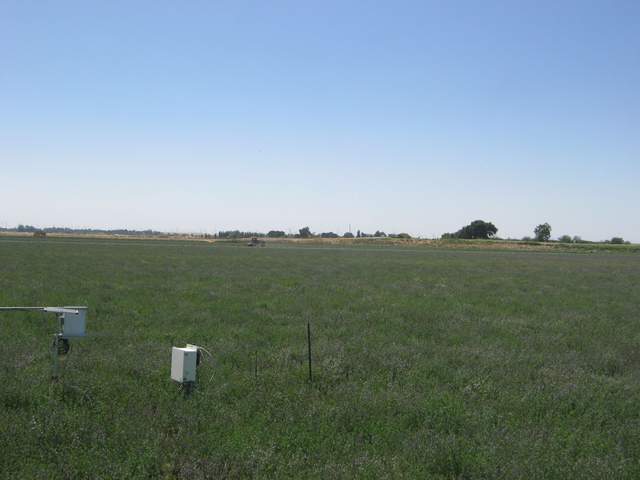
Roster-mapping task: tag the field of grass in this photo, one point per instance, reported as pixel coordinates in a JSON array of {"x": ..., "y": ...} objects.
[{"x": 428, "y": 363}]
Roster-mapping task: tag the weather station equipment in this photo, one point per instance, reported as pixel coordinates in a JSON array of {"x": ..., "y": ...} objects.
[
  {"x": 72, "y": 323},
  {"x": 184, "y": 365}
]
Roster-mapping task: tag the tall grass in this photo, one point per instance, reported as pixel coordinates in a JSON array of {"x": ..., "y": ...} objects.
[{"x": 426, "y": 363}]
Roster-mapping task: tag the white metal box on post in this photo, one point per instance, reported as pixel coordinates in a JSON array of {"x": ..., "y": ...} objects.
[
  {"x": 74, "y": 325},
  {"x": 183, "y": 364}
]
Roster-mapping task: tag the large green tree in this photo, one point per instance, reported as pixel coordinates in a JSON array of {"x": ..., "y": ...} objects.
[
  {"x": 543, "y": 232},
  {"x": 476, "y": 229},
  {"x": 305, "y": 232}
]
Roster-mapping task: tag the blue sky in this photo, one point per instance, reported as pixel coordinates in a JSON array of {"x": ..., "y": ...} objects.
[{"x": 402, "y": 116}]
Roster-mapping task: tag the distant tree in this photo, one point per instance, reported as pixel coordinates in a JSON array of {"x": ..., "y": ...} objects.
[
  {"x": 305, "y": 232},
  {"x": 527, "y": 239},
  {"x": 543, "y": 232},
  {"x": 233, "y": 234},
  {"x": 617, "y": 240},
  {"x": 480, "y": 229},
  {"x": 564, "y": 239},
  {"x": 577, "y": 239},
  {"x": 347, "y": 235},
  {"x": 329, "y": 235},
  {"x": 379, "y": 234},
  {"x": 276, "y": 234},
  {"x": 476, "y": 229},
  {"x": 358, "y": 235},
  {"x": 398, "y": 235}
]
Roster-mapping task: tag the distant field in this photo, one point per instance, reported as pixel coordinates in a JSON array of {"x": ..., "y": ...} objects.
[
  {"x": 458, "y": 244},
  {"x": 428, "y": 363}
]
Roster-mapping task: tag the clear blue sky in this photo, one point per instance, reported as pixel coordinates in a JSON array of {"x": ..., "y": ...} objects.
[{"x": 413, "y": 116}]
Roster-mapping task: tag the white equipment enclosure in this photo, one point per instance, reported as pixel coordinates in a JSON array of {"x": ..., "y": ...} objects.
[
  {"x": 183, "y": 364},
  {"x": 74, "y": 324}
]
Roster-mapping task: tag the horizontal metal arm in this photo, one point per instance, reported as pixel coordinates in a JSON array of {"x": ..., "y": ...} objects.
[
  {"x": 60, "y": 310},
  {"x": 20, "y": 309},
  {"x": 41, "y": 309}
]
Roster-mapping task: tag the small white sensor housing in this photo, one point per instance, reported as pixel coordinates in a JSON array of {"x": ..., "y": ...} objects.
[{"x": 183, "y": 364}]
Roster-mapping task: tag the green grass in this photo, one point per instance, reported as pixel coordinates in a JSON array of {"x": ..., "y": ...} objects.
[{"x": 428, "y": 363}]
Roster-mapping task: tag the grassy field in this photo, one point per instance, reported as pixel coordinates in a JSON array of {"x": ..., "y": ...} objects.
[{"x": 428, "y": 363}]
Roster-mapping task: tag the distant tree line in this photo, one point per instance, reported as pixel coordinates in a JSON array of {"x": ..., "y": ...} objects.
[
  {"x": 307, "y": 233},
  {"x": 477, "y": 229},
  {"x": 304, "y": 232},
  {"x": 116, "y": 231},
  {"x": 234, "y": 234}
]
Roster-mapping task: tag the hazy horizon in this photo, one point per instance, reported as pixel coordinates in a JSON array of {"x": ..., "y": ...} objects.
[
  {"x": 288, "y": 231},
  {"x": 411, "y": 116}
]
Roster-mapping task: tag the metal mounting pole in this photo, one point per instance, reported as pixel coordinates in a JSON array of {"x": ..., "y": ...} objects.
[
  {"x": 309, "y": 350},
  {"x": 55, "y": 361},
  {"x": 55, "y": 352}
]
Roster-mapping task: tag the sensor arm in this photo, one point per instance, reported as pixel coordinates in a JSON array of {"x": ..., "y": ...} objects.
[
  {"x": 60, "y": 310},
  {"x": 41, "y": 309}
]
